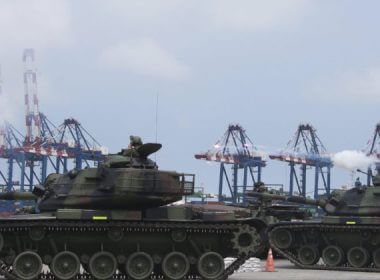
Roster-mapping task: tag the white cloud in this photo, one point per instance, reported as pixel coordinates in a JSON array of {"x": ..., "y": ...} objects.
[
  {"x": 254, "y": 14},
  {"x": 9, "y": 104},
  {"x": 209, "y": 15},
  {"x": 38, "y": 23},
  {"x": 360, "y": 86},
  {"x": 144, "y": 57},
  {"x": 352, "y": 160}
]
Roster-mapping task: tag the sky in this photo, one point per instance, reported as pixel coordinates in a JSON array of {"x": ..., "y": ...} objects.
[{"x": 267, "y": 65}]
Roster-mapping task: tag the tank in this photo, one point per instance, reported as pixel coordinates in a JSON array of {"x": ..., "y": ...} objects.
[
  {"x": 272, "y": 211},
  {"x": 119, "y": 220},
  {"x": 269, "y": 209},
  {"x": 347, "y": 237},
  {"x": 266, "y": 209}
]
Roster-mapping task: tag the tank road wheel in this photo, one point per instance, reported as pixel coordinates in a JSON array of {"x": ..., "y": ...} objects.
[
  {"x": 210, "y": 265},
  {"x": 178, "y": 235},
  {"x": 308, "y": 255},
  {"x": 365, "y": 235},
  {"x": 102, "y": 265},
  {"x": 139, "y": 266},
  {"x": 282, "y": 238},
  {"x": 27, "y": 265},
  {"x": 358, "y": 257},
  {"x": 115, "y": 234},
  {"x": 1, "y": 242},
  {"x": 175, "y": 265},
  {"x": 246, "y": 240},
  {"x": 37, "y": 233},
  {"x": 65, "y": 265},
  {"x": 333, "y": 255},
  {"x": 376, "y": 257}
]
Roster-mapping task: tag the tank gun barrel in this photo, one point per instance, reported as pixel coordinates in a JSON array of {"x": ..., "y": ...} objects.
[
  {"x": 294, "y": 199},
  {"x": 365, "y": 173},
  {"x": 17, "y": 196}
]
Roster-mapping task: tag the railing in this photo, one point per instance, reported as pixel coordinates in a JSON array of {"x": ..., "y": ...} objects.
[{"x": 187, "y": 182}]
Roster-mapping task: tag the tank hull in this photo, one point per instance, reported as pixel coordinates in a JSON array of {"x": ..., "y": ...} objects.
[
  {"x": 157, "y": 247},
  {"x": 332, "y": 244}
]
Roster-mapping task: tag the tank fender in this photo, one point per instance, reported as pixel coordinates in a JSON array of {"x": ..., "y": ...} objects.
[{"x": 257, "y": 223}]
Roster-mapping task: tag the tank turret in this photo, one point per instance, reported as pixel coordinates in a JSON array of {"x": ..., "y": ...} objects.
[
  {"x": 358, "y": 201},
  {"x": 293, "y": 199},
  {"x": 263, "y": 203}
]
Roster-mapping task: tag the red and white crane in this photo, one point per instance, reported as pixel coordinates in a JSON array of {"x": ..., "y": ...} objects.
[
  {"x": 32, "y": 114},
  {"x": 236, "y": 150},
  {"x": 305, "y": 150}
]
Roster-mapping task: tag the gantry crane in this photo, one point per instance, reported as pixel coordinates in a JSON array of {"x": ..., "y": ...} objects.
[
  {"x": 305, "y": 150},
  {"x": 373, "y": 149},
  {"x": 237, "y": 151}
]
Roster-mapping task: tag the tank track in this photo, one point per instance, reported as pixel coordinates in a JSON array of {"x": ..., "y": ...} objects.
[
  {"x": 53, "y": 225},
  {"x": 331, "y": 228}
]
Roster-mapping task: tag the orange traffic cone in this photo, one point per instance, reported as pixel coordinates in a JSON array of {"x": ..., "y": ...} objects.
[{"x": 269, "y": 267}]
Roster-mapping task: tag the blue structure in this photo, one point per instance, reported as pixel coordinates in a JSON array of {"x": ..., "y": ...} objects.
[
  {"x": 10, "y": 141},
  {"x": 373, "y": 149},
  {"x": 78, "y": 144},
  {"x": 305, "y": 150},
  {"x": 23, "y": 165},
  {"x": 236, "y": 151}
]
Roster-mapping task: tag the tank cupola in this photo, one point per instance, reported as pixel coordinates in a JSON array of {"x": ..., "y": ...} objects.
[{"x": 135, "y": 156}]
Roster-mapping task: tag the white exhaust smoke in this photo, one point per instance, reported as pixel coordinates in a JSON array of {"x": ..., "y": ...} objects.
[{"x": 352, "y": 160}]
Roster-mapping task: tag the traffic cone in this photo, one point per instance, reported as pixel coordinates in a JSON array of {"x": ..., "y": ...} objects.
[{"x": 269, "y": 267}]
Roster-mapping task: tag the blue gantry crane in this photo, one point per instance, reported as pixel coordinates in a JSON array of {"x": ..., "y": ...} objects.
[
  {"x": 373, "y": 149},
  {"x": 237, "y": 151},
  {"x": 61, "y": 148},
  {"x": 305, "y": 150}
]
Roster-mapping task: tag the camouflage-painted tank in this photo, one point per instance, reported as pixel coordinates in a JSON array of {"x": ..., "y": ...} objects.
[
  {"x": 271, "y": 210},
  {"x": 115, "y": 221},
  {"x": 347, "y": 237}
]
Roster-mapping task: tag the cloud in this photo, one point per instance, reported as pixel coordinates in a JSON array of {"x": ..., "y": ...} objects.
[
  {"x": 37, "y": 23},
  {"x": 353, "y": 160},
  {"x": 253, "y": 14},
  {"x": 9, "y": 107},
  {"x": 209, "y": 15},
  {"x": 360, "y": 86},
  {"x": 144, "y": 57}
]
